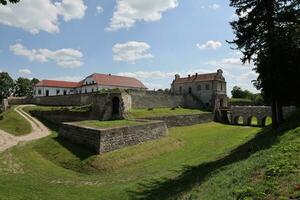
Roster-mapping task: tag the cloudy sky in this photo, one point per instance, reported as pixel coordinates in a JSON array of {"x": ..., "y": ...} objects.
[{"x": 147, "y": 39}]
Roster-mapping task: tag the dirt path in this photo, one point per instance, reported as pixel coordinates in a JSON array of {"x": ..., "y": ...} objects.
[{"x": 38, "y": 131}]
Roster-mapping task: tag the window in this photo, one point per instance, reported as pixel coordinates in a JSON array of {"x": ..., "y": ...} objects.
[
  {"x": 85, "y": 91},
  {"x": 221, "y": 87},
  {"x": 190, "y": 90},
  {"x": 57, "y": 92},
  {"x": 65, "y": 92},
  {"x": 199, "y": 87},
  {"x": 92, "y": 89},
  {"x": 180, "y": 90},
  {"x": 39, "y": 92},
  {"x": 207, "y": 87},
  {"x": 47, "y": 93}
]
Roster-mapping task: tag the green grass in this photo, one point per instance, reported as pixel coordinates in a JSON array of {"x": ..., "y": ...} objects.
[
  {"x": 58, "y": 108},
  {"x": 109, "y": 124},
  {"x": 158, "y": 112},
  {"x": 272, "y": 170},
  {"x": 14, "y": 123},
  {"x": 55, "y": 169}
]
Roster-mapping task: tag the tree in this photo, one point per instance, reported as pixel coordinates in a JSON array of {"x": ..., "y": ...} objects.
[
  {"x": 6, "y": 85},
  {"x": 238, "y": 93},
  {"x": 24, "y": 87},
  {"x": 263, "y": 30},
  {"x": 4, "y": 2}
]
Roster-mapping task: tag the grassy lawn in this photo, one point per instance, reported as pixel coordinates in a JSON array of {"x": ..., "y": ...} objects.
[
  {"x": 14, "y": 123},
  {"x": 271, "y": 172},
  {"x": 157, "y": 112},
  {"x": 58, "y": 108},
  {"x": 54, "y": 169},
  {"x": 108, "y": 124}
]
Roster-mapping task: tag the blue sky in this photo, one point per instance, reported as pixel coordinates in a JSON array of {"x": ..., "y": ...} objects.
[{"x": 147, "y": 39}]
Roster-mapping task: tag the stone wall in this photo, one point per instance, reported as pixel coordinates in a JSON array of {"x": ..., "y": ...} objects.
[
  {"x": 152, "y": 99},
  {"x": 4, "y": 105},
  {"x": 184, "y": 120},
  {"x": 105, "y": 140},
  {"x": 260, "y": 112},
  {"x": 57, "y": 117},
  {"x": 66, "y": 100}
]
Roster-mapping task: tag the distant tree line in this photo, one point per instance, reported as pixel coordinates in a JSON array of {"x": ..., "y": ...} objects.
[
  {"x": 19, "y": 88},
  {"x": 239, "y": 93}
]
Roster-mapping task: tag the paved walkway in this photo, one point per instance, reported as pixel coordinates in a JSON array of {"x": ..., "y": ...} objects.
[{"x": 38, "y": 131}]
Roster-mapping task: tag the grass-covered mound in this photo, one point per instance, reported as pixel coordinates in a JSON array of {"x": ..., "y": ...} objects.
[
  {"x": 159, "y": 112},
  {"x": 55, "y": 169},
  {"x": 109, "y": 124},
  {"x": 14, "y": 123},
  {"x": 267, "y": 167}
]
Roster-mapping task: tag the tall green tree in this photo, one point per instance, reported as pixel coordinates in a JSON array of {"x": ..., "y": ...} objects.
[
  {"x": 24, "y": 87},
  {"x": 263, "y": 30},
  {"x": 4, "y": 2},
  {"x": 6, "y": 85}
]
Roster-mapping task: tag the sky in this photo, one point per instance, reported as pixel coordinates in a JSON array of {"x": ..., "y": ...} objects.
[{"x": 151, "y": 40}]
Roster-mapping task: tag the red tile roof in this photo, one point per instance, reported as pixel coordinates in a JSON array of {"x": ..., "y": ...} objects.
[
  {"x": 113, "y": 80},
  {"x": 101, "y": 79},
  {"x": 60, "y": 84},
  {"x": 198, "y": 78}
]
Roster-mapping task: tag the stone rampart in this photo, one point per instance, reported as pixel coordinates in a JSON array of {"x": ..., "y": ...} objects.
[
  {"x": 152, "y": 99},
  {"x": 184, "y": 120},
  {"x": 58, "y": 117},
  {"x": 105, "y": 140}
]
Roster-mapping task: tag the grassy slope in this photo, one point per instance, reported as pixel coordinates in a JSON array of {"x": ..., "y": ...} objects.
[
  {"x": 14, "y": 123},
  {"x": 270, "y": 173},
  {"x": 108, "y": 124},
  {"x": 50, "y": 168},
  {"x": 156, "y": 112}
]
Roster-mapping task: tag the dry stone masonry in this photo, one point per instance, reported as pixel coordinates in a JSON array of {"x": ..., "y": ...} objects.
[{"x": 109, "y": 139}]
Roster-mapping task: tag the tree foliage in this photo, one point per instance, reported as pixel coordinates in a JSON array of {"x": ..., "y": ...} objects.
[
  {"x": 6, "y": 85},
  {"x": 24, "y": 87},
  {"x": 4, "y": 2},
  {"x": 267, "y": 33}
]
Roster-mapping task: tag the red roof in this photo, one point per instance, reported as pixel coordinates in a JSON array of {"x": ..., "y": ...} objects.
[
  {"x": 101, "y": 79},
  {"x": 61, "y": 84},
  {"x": 198, "y": 78},
  {"x": 113, "y": 80}
]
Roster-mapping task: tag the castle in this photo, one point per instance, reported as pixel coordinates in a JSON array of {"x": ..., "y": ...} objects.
[{"x": 209, "y": 88}]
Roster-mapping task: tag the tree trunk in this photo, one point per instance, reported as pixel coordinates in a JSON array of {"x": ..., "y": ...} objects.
[
  {"x": 274, "y": 114},
  {"x": 279, "y": 112}
]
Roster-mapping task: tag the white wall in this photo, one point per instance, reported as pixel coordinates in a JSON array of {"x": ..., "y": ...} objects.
[{"x": 52, "y": 91}]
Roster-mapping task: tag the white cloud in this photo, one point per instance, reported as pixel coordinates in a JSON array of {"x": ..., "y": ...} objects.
[
  {"x": 214, "y": 6},
  {"x": 148, "y": 74},
  {"x": 131, "y": 51},
  {"x": 24, "y": 71},
  {"x": 210, "y": 45},
  {"x": 99, "y": 9},
  {"x": 128, "y": 12},
  {"x": 154, "y": 86},
  {"x": 67, "y": 58},
  {"x": 68, "y": 78},
  {"x": 41, "y": 15},
  {"x": 230, "y": 63}
]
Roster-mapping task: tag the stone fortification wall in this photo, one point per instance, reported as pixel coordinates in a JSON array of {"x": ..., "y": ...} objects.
[
  {"x": 152, "y": 99},
  {"x": 58, "y": 117},
  {"x": 4, "y": 105},
  {"x": 105, "y": 140},
  {"x": 66, "y": 100},
  {"x": 184, "y": 120}
]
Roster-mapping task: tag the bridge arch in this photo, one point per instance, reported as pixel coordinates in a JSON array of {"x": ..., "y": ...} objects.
[
  {"x": 239, "y": 120},
  {"x": 265, "y": 121},
  {"x": 253, "y": 121}
]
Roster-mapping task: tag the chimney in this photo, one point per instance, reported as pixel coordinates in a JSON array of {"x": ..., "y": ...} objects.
[
  {"x": 189, "y": 76},
  {"x": 196, "y": 75},
  {"x": 109, "y": 74},
  {"x": 177, "y": 76}
]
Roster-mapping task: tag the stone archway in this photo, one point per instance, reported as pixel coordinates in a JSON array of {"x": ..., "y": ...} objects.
[
  {"x": 239, "y": 120},
  {"x": 252, "y": 121},
  {"x": 115, "y": 106},
  {"x": 267, "y": 120}
]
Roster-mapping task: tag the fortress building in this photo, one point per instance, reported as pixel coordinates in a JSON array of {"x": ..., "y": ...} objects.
[
  {"x": 92, "y": 83},
  {"x": 209, "y": 88}
]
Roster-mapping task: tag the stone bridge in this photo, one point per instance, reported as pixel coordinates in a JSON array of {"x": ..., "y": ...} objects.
[{"x": 244, "y": 114}]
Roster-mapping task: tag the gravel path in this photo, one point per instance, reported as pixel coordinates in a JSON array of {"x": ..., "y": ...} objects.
[{"x": 38, "y": 131}]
